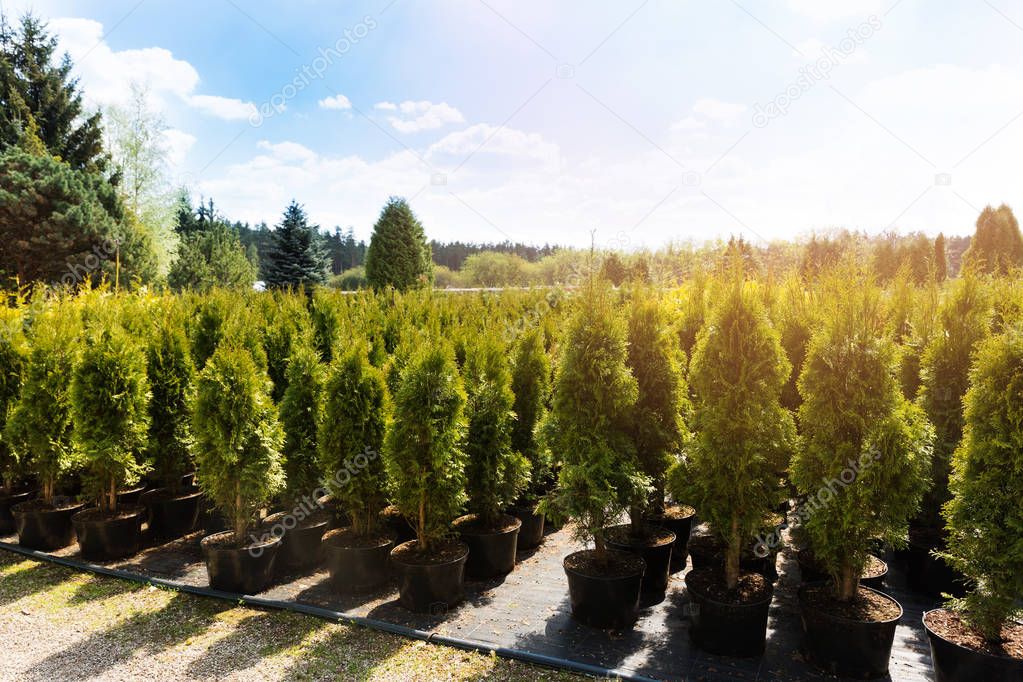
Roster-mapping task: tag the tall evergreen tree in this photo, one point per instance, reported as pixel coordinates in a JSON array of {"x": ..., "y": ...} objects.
[
  {"x": 997, "y": 246},
  {"x": 33, "y": 81},
  {"x": 297, "y": 256},
  {"x": 210, "y": 253},
  {"x": 398, "y": 254},
  {"x": 940, "y": 259}
]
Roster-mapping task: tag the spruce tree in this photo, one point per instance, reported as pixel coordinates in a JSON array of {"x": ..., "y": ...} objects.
[
  {"x": 296, "y": 256},
  {"x": 398, "y": 255}
]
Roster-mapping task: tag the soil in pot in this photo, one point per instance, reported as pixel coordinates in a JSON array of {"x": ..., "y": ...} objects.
[
  {"x": 678, "y": 518},
  {"x": 491, "y": 547},
  {"x": 654, "y": 544},
  {"x": 245, "y": 569},
  {"x": 812, "y": 572},
  {"x": 104, "y": 536},
  {"x": 848, "y": 639},
  {"x": 357, "y": 563},
  {"x": 926, "y": 573},
  {"x": 392, "y": 518},
  {"x": 605, "y": 594},
  {"x": 960, "y": 654},
  {"x": 430, "y": 582},
  {"x": 7, "y": 524},
  {"x": 300, "y": 538},
  {"x": 43, "y": 526},
  {"x": 531, "y": 532},
  {"x": 728, "y": 622},
  {"x": 171, "y": 516}
]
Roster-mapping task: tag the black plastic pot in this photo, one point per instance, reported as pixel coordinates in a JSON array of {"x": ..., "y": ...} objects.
[
  {"x": 7, "y": 524},
  {"x": 711, "y": 555},
  {"x": 657, "y": 559},
  {"x": 300, "y": 544},
  {"x": 531, "y": 531},
  {"x": 491, "y": 553},
  {"x": 102, "y": 539},
  {"x": 602, "y": 601},
  {"x": 245, "y": 570},
  {"x": 955, "y": 663},
  {"x": 430, "y": 588},
  {"x": 811, "y": 573},
  {"x": 682, "y": 528},
  {"x": 846, "y": 647},
  {"x": 926, "y": 573},
  {"x": 172, "y": 517},
  {"x": 723, "y": 628},
  {"x": 131, "y": 496},
  {"x": 45, "y": 529},
  {"x": 357, "y": 569}
]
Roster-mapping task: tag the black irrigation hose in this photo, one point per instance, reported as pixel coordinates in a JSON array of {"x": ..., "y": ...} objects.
[{"x": 328, "y": 614}]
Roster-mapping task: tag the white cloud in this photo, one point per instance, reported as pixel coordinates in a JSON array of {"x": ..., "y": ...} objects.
[
  {"x": 834, "y": 10},
  {"x": 717, "y": 110},
  {"x": 337, "y": 102},
  {"x": 177, "y": 143},
  {"x": 506, "y": 142},
  {"x": 422, "y": 115},
  {"x": 288, "y": 151},
  {"x": 225, "y": 108}
]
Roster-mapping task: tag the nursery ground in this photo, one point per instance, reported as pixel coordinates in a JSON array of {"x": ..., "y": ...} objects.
[{"x": 527, "y": 610}]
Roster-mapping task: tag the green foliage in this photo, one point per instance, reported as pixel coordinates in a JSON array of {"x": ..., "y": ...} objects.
[
  {"x": 964, "y": 319},
  {"x": 656, "y": 426},
  {"x": 65, "y": 225},
  {"x": 110, "y": 412},
  {"x": 171, "y": 382},
  {"x": 351, "y": 279},
  {"x": 997, "y": 245},
  {"x": 238, "y": 437},
  {"x": 224, "y": 314},
  {"x": 493, "y": 269},
  {"x": 795, "y": 318},
  {"x": 398, "y": 255},
  {"x": 530, "y": 384},
  {"x": 866, "y": 449},
  {"x": 588, "y": 426},
  {"x": 297, "y": 257},
  {"x": 352, "y": 425},
  {"x": 13, "y": 358},
  {"x": 286, "y": 325},
  {"x": 743, "y": 436},
  {"x": 496, "y": 473},
  {"x": 40, "y": 425},
  {"x": 423, "y": 450},
  {"x": 985, "y": 518},
  {"x": 210, "y": 258},
  {"x": 299, "y": 409}
]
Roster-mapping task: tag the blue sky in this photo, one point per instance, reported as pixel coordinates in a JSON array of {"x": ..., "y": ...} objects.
[{"x": 646, "y": 122}]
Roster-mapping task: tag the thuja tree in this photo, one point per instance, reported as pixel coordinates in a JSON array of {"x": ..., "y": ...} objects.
[
  {"x": 530, "y": 384},
  {"x": 743, "y": 436},
  {"x": 286, "y": 325},
  {"x": 656, "y": 425},
  {"x": 866, "y": 449},
  {"x": 299, "y": 409},
  {"x": 110, "y": 411},
  {"x": 964, "y": 319},
  {"x": 984, "y": 515},
  {"x": 171, "y": 381},
  {"x": 238, "y": 437},
  {"x": 351, "y": 432},
  {"x": 423, "y": 450},
  {"x": 495, "y": 472},
  {"x": 13, "y": 357},
  {"x": 40, "y": 426},
  {"x": 398, "y": 254},
  {"x": 594, "y": 396}
]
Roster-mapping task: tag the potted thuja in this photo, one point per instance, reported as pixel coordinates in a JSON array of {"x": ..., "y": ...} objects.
[
  {"x": 742, "y": 436},
  {"x": 238, "y": 442},
  {"x": 964, "y": 320},
  {"x": 40, "y": 429},
  {"x": 353, "y": 423},
  {"x": 864, "y": 463},
  {"x": 530, "y": 382},
  {"x": 173, "y": 507},
  {"x": 13, "y": 357},
  {"x": 426, "y": 472},
  {"x": 655, "y": 530},
  {"x": 110, "y": 403},
  {"x": 980, "y": 636},
  {"x": 594, "y": 394},
  {"x": 495, "y": 473},
  {"x": 303, "y": 521}
]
